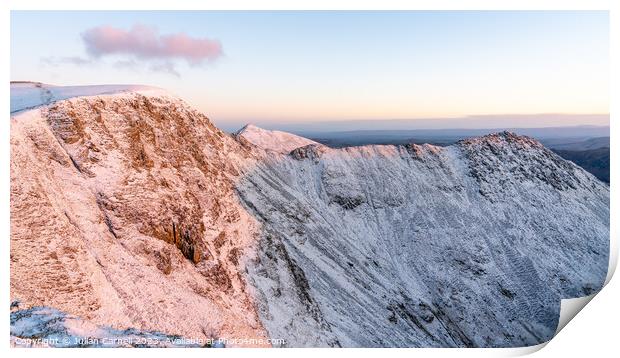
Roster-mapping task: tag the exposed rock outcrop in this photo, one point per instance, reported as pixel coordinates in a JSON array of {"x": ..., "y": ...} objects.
[{"x": 118, "y": 203}]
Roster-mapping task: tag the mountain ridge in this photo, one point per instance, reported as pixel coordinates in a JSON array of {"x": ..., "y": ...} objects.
[{"x": 402, "y": 246}]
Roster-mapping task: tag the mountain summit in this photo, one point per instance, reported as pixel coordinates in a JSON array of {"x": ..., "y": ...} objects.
[
  {"x": 277, "y": 141},
  {"x": 130, "y": 209}
]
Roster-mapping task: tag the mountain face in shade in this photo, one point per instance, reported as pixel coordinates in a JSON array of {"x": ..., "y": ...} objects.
[{"x": 131, "y": 210}]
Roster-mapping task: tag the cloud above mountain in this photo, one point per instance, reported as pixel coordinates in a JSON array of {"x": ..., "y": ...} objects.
[
  {"x": 141, "y": 48},
  {"x": 145, "y": 42}
]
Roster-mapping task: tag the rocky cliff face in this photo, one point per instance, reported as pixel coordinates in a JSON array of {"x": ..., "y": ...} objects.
[
  {"x": 133, "y": 210},
  {"x": 123, "y": 212}
]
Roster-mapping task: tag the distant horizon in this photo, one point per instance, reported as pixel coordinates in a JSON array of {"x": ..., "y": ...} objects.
[
  {"x": 493, "y": 122},
  {"x": 480, "y": 122}
]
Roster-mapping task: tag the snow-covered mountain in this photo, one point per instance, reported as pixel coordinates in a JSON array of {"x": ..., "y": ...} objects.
[
  {"x": 132, "y": 210},
  {"x": 276, "y": 141},
  {"x": 123, "y": 212}
]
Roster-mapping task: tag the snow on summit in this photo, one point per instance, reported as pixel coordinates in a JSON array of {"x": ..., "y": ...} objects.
[
  {"x": 277, "y": 141},
  {"x": 27, "y": 95}
]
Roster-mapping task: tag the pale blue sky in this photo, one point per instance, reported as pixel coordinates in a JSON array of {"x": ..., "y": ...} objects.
[{"x": 317, "y": 66}]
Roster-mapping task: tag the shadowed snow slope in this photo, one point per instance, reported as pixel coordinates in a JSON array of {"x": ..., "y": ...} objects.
[
  {"x": 131, "y": 210},
  {"x": 48, "y": 327},
  {"x": 468, "y": 245}
]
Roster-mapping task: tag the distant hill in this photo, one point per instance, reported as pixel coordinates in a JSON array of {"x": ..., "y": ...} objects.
[
  {"x": 596, "y": 161},
  {"x": 579, "y": 145}
]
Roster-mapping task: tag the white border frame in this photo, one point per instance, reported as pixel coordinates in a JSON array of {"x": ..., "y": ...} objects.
[{"x": 593, "y": 331}]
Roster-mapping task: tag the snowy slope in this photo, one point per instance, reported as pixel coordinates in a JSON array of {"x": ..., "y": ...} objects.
[
  {"x": 28, "y": 95},
  {"x": 276, "y": 141},
  {"x": 469, "y": 245},
  {"x": 48, "y": 327},
  {"x": 131, "y": 210}
]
